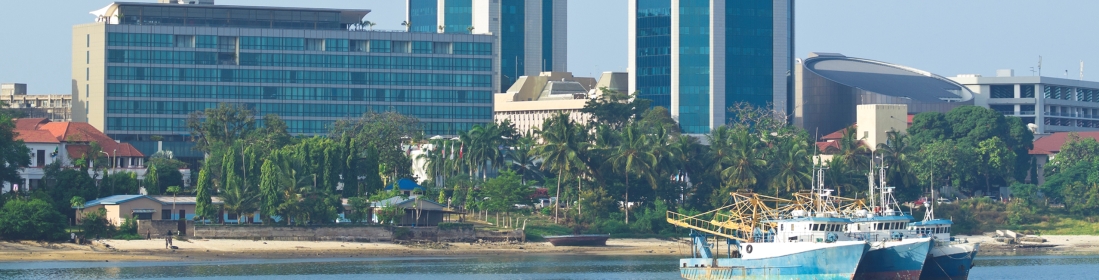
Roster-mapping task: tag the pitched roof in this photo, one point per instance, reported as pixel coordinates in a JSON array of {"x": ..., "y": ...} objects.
[
  {"x": 35, "y": 136},
  {"x": 1051, "y": 144},
  {"x": 75, "y": 132},
  {"x": 399, "y": 201},
  {"x": 406, "y": 184},
  {"x": 184, "y": 200},
  {"x": 30, "y": 124},
  {"x": 838, "y": 134},
  {"x": 113, "y": 200}
]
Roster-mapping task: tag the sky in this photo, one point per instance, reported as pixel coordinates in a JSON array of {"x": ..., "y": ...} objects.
[{"x": 944, "y": 37}]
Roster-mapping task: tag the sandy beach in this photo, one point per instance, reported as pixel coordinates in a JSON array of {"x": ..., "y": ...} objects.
[
  {"x": 1055, "y": 244},
  {"x": 218, "y": 249}
]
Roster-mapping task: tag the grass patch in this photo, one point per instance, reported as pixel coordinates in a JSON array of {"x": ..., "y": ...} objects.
[{"x": 1062, "y": 226}]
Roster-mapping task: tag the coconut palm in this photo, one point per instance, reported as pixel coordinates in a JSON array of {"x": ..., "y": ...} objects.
[
  {"x": 559, "y": 139},
  {"x": 634, "y": 156},
  {"x": 174, "y": 190},
  {"x": 743, "y": 168},
  {"x": 791, "y": 165}
]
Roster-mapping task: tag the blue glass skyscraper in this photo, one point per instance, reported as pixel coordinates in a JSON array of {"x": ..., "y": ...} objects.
[
  {"x": 531, "y": 34},
  {"x": 700, "y": 57}
]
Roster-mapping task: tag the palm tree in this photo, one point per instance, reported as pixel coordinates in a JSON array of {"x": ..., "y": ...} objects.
[
  {"x": 174, "y": 190},
  {"x": 557, "y": 150},
  {"x": 898, "y": 154},
  {"x": 78, "y": 203},
  {"x": 470, "y": 28},
  {"x": 791, "y": 166},
  {"x": 407, "y": 25},
  {"x": 743, "y": 168},
  {"x": 635, "y": 155},
  {"x": 520, "y": 157}
]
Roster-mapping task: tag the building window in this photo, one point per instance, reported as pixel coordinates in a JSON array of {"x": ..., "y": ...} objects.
[
  {"x": 1002, "y": 91},
  {"x": 1026, "y": 91},
  {"x": 1003, "y": 109}
]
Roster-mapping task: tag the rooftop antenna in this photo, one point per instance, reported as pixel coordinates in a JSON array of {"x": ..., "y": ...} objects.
[
  {"x": 1039, "y": 65},
  {"x": 1081, "y": 70}
]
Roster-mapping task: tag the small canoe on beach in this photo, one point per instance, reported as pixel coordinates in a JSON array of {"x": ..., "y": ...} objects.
[{"x": 579, "y": 240}]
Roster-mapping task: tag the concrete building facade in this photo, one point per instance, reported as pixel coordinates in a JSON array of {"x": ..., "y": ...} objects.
[
  {"x": 1050, "y": 104},
  {"x": 56, "y": 107},
  {"x": 533, "y": 99},
  {"x": 699, "y": 57},
  {"x": 141, "y": 68},
  {"x": 531, "y": 35}
]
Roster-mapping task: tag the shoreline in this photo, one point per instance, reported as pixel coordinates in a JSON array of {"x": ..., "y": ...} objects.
[
  {"x": 230, "y": 249},
  {"x": 226, "y": 249}
]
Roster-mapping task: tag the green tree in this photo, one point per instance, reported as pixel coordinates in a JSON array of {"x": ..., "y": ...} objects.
[
  {"x": 504, "y": 192},
  {"x": 634, "y": 156},
  {"x": 996, "y": 161},
  {"x": 78, "y": 203},
  {"x": 31, "y": 220},
  {"x": 204, "y": 206},
  {"x": 615, "y": 109},
  {"x": 899, "y": 155},
  {"x": 14, "y": 154},
  {"x": 560, "y": 138},
  {"x": 221, "y": 126}
]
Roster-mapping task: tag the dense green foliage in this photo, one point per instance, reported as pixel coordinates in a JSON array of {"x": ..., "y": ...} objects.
[{"x": 34, "y": 219}]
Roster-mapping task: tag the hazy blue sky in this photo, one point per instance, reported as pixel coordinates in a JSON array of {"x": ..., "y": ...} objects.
[{"x": 942, "y": 36}]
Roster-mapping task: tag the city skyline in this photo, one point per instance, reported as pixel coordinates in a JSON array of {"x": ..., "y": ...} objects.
[{"x": 941, "y": 44}]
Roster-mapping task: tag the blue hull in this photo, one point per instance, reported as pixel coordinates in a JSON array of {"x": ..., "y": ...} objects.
[
  {"x": 828, "y": 263},
  {"x": 900, "y": 262},
  {"x": 953, "y": 267}
]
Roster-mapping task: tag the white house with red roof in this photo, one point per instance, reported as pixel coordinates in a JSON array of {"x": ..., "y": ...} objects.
[
  {"x": 66, "y": 143},
  {"x": 1047, "y": 147}
]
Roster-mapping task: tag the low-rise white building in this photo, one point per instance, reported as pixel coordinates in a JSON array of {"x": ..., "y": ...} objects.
[{"x": 1050, "y": 104}]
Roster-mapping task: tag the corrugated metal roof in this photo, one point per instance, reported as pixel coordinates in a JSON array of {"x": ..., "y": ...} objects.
[{"x": 112, "y": 200}]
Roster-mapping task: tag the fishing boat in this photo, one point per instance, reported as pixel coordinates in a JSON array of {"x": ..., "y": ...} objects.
[
  {"x": 578, "y": 240},
  {"x": 893, "y": 254},
  {"x": 949, "y": 258},
  {"x": 785, "y": 242}
]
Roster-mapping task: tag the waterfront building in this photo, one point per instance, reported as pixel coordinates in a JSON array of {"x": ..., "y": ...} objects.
[
  {"x": 119, "y": 208},
  {"x": 530, "y": 34},
  {"x": 56, "y": 107},
  {"x": 699, "y": 57},
  {"x": 67, "y": 142},
  {"x": 141, "y": 68},
  {"x": 829, "y": 88},
  {"x": 533, "y": 99},
  {"x": 1046, "y": 147},
  {"x": 1050, "y": 104}
]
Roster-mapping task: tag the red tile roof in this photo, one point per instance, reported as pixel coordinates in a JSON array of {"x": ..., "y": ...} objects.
[
  {"x": 76, "y": 135},
  {"x": 29, "y": 124},
  {"x": 35, "y": 136},
  {"x": 1052, "y": 144},
  {"x": 838, "y": 134}
]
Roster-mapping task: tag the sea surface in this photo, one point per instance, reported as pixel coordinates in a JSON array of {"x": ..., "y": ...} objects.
[{"x": 479, "y": 268}]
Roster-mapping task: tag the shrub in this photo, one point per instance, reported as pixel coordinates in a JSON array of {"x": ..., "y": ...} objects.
[
  {"x": 31, "y": 220},
  {"x": 400, "y": 233},
  {"x": 459, "y": 226},
  {"x": 95, "y": 224}
]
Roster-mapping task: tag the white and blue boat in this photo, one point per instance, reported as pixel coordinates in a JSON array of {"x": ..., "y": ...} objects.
[
  {"x": 893, "y": 254},
  {"x": 768, "y": 244},
  {"x": 949, "y": 258}
]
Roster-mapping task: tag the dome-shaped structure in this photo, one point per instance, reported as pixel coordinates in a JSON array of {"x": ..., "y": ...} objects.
[{"x": 829, "y": 87}]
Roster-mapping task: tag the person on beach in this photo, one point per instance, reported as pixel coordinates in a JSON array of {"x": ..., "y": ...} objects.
[{"x": 166, "y": 240}]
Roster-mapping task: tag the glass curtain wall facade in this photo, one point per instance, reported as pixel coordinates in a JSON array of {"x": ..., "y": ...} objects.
[
  {"x": 423, "y": 15},
  {"x": 512, "y": 39},
  {"x": 694, "y": 66},
  {"x": 681, "y": 63},
  {"x": 749, "y": 53},
  {"x": 654, "y": 51},
  {"x": 458, "y": 16},
  {"x": 153, "y": 77},
  {"x": 530, "y": 33}
]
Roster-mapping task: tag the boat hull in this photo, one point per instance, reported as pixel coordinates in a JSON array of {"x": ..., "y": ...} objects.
[
  {"x": 838, "y": 260},
  {"x": 894, "y": 260},
  {"x": 949, "y": 262},
  {"x": 579, "y": 240}
]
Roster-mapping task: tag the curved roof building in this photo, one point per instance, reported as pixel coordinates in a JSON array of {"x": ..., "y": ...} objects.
[{"x": 828, "y": 88}]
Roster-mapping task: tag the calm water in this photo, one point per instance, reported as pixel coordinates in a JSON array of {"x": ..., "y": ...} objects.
[{"x": 480, "y": 268}]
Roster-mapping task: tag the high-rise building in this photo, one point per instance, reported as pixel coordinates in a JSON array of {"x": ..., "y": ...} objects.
[
  {"x": 700, "y": 57},
  {"x": 141, "y": 68},
  {"x": 531, "y": 34}
]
